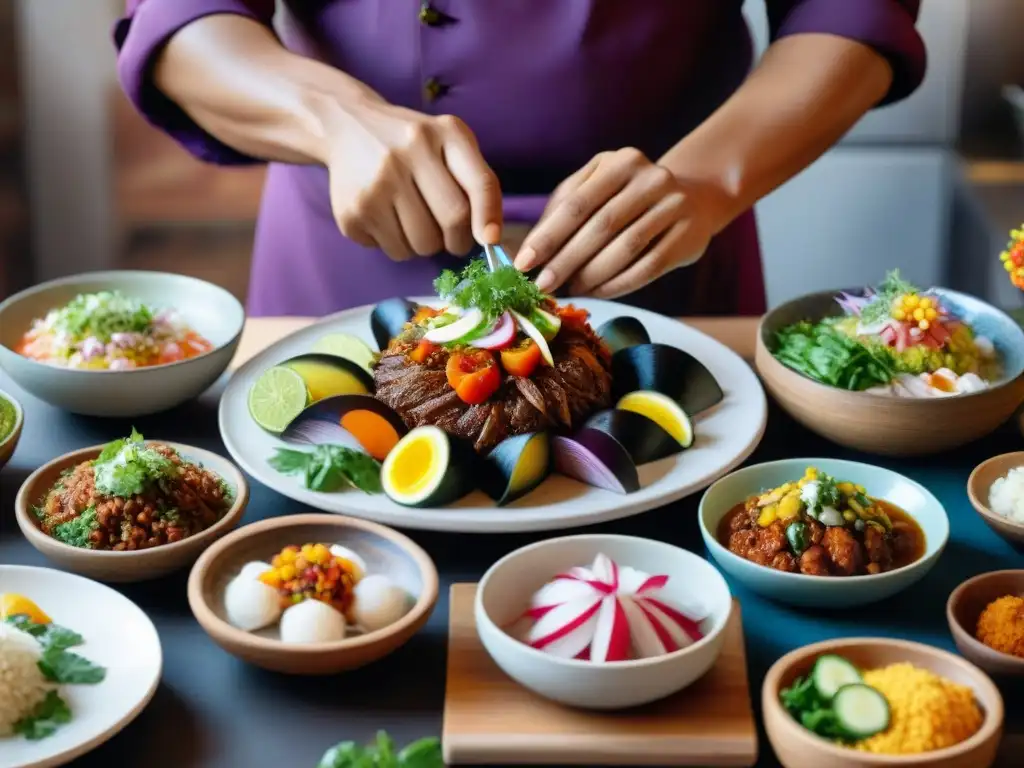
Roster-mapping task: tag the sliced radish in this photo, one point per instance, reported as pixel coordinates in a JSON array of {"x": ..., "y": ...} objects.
[
  {"x": 567, "y": 629},
  {"x": 665, "y": 626},
  {"x": 611, "y": 633},
  {"x": 690, "y": 626},
  {"x": 606, "y": 571},
  {"x": 646, "y": 642},
  {"x": 630, "y": 579},
  {"x": 446, "y": 334},
  {"x": 563, "y": 591},
  {"x": 538, "y": 338},
  {"x": 664, "y": 636},
  {"x": 500, "y": 336}
]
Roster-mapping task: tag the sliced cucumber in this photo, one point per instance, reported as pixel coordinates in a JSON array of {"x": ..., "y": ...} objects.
[
  {"x": 547, "y": 323},
  {"x": 465, "y": 325},
  {"x": 831, "y": 673},
  {"x": 861, "y": 711}
]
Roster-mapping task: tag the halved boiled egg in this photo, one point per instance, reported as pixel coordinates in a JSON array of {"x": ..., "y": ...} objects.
[
  {"x": 662, "y": 410},
  {"x": 421, "y": 471}
]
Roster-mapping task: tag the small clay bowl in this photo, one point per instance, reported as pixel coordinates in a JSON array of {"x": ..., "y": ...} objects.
[
  {"x": 797, "y": 747},
  {"x": 10, "y": 442},
  {"x": 137, "y": 565},
  {"x": 385, "y": 551},
  {"x": 964, "y": 607},
  {"x": 978, "y": 486}
]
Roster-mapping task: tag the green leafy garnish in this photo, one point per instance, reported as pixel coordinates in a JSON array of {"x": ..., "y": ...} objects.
[
  {"x": 62, "y": 666},
  {"x": 803, "y": 702},
  {"x": 828, "y": 493},
  {"x": 48, "y": 635},
  {"x": 128, "y": 466},
  {"x": 102, "y": 315},
  {"x": 47, "y": 716},
  {"x": 493, "y": 293},
  {"x": 823, "y": 353},
  {"x": 330, "y": 467},
  {"x": 425, "y": 753},
  {"x": 887, "y": 291},
  {"x": 76, "y": 532}
]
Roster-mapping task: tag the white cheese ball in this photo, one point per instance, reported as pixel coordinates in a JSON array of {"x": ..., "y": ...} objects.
[
  {"x": 250, "y": 604},
  {"x": 312, "y": 621},
  {"x": 378, "y": 603},
  {"x": 254, "y": 570},
  {"x": 344, "y": 552}
]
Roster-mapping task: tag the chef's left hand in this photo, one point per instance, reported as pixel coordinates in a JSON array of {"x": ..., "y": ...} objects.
[{"x": 616, "y": 225}]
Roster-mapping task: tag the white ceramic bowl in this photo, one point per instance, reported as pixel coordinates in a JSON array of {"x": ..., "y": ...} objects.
[
  {"x": 211, "y": 311},
  {"x": 824, "y": 591},
  {"x": 505, "y": 591}
]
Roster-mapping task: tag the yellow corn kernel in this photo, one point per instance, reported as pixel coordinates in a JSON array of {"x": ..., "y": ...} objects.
[
  {"x": 925, "y": 303},
  {"x": 811, "y": 473},
  {"x": 860, "y": 488},
  {"x": 286, "y": 572},
  {"x": 1008, "y": 265},
  {"x": 846, "y": 488},
  {"x": 768, "y": 516},
  {"x": 930, "y": 314},
  {"x": 899, "y": 314},
  {"x": 321, "y": 554},
  {"x": 919, "y": 314},
  {"x": 910, "y": 300},
  {"x": 789, "y": 507},
  {"x": 849, "y": 515},
  {"x": 288, "y": 555}
]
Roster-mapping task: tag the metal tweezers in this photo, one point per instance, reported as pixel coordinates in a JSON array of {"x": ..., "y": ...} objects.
[{"x": 496, "y": 257}]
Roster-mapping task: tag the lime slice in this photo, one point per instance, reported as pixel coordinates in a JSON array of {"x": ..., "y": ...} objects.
[
  {"x": 345, "y": 345},
  {"x": 277, "y": 397}
]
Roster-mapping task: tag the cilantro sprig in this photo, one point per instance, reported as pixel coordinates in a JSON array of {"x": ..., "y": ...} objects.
[
  {"x": 330, "y": 467},
  {"x": 824, "y": 353},
  {"x": 493, "y": 293},
  {"x": 425, "y": 753},
  {"x": 128, "y": 466}
]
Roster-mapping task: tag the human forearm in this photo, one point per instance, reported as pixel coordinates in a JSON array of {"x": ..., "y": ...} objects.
[
  {"x": 235, "y": 80},
  {"x": 807, "y": 92}
]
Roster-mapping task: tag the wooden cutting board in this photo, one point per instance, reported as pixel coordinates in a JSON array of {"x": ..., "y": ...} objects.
[{"x": 491, "y": 720}]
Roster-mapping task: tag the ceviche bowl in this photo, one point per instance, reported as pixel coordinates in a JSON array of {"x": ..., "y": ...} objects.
[
  {"x": 797, "y": 747},
  {"x": 882, "y": 423},
  {"x": 505, "y": 592},
  {"x": 126, "y": 566},
  {"x": 12, "y": 417},
  {"x": 900, "y": 495},
  {"x": 188, "y": 307}
]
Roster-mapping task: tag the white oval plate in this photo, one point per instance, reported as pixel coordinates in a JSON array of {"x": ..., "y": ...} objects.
[
  {"x": 725, "y": 436},
  {"x": 118, "y": 636}
]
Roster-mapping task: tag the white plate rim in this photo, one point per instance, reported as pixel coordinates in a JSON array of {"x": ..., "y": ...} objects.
[
  {"x": 67, "y": 755},
  {"x": 740, "y": 379}
]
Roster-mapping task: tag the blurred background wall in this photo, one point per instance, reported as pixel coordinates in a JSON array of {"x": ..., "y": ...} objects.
[{"x": 929, "y": 185}]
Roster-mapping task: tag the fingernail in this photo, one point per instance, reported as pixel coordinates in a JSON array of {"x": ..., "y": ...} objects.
[
  {"x": 492, "y": 234},
  {"x": 546, "y": 280},
  {"x": 525, "y": 259}
]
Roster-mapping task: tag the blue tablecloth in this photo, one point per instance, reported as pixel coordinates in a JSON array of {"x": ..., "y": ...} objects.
[{"x": 212, "y": 711}]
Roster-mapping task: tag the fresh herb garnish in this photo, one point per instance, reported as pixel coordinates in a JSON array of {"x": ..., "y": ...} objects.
[
  {"x": 828, "y": 493},
  {"x": 824, "y": 353},
  {"x": 48, "y": 635},
  {"x": 76, "y": 531},
  {"x": 128, "y": 466},
  {"x": 102, "y": 315},
  {"x": 803, "y": 702},
  {"x": 330, "y": 467},
  {"x": 888, "y": 290},
  {"x": 425, "y": 753},
  {"x": 62, "y": 666},
  {"x": 493, "y": 293},
  {"x": 47, "y": 716}
]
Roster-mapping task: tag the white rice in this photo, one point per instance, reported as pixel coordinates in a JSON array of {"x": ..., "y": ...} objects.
[
  {"x": 1006, "y": 497},
  {"x": 22, "y": 685}
]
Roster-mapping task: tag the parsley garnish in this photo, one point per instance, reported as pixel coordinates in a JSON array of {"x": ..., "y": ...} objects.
[
  {"x": 48, "y": 715},
  {"x": 48, "y": 635},
  {"x": 102, "y": 315},
  {"x": 889, "y": 290},
  {"x": 828, "y": 492},
  {"x": 425, "y": 753},
  {"x": 493, "y": 293},
  {"x": 62, "y": 666},
  {"x": 75, "y": 532},
  {"x": 330, "y": 467},
  {"x": 127, "y": 467}
]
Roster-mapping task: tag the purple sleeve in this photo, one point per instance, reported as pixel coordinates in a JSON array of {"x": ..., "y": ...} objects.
[
  {"x": 885, "y": 25},
  {"x": 139, "y": 37}
]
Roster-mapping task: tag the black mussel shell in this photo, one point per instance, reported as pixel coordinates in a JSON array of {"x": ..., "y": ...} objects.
[
  {"x": 668, "y": 370},
  {"x": 622, "y": 332},
  {"x": 498, "y": 468},
  {"x": 644, "y": 439},
  {"x": 389, "y": 317}
]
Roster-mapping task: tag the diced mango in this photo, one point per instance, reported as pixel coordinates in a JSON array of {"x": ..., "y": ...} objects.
[
  {"x": 768, "y": 516},
  {"x": 790, "y": 506}
]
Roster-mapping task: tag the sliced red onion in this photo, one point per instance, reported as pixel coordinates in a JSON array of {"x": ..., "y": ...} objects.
[{"x": 501, "y": 335}]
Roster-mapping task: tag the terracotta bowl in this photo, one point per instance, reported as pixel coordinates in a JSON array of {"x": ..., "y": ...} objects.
[
  {"x": 385, "y": 551},
  {"x": 964, "y": 607},
  {"x": 139, "y": 565},
  {"x": 796, "y": 747},
  {"x": 885, "y": 425},
  {"x": 980, "y": 483},
  {"x": 9, "y": 443}
]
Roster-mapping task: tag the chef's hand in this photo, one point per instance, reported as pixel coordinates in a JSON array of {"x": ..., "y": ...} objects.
[
  {"x": 411, "y": 184},
  {"x": 614, "y": 226}
]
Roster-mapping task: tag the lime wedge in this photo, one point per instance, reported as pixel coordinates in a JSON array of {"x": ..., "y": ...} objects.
[
  {"x": 277, "y": 397},
  {"x": 345, "y": 345}
]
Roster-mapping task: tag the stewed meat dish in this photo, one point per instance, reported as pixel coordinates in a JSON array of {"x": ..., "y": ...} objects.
[{"x": 819, "y": 526}]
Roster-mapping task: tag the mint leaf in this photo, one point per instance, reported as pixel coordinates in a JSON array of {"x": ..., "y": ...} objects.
[
  {"x": 61, "y": 666},
  {"x": 51, "y": 713}
]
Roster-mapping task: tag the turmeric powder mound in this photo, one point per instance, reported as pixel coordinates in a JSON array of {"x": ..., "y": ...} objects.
[
  {"x": 1001, "y": 625},
  {"x": 927, "y": 712}
]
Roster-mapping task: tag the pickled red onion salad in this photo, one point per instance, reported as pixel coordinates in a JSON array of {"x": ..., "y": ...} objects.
[
  {"x": 110, "y": 331},
  {"x": 608, "y": 613}
]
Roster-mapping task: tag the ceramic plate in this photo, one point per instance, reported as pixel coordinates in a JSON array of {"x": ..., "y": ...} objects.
[
  {"x": 725, "y": 436},
  {"x": 118, "y": 636}
]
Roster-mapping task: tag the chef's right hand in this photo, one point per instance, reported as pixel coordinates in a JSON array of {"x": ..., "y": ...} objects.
[{"x": 411, "y": 184}]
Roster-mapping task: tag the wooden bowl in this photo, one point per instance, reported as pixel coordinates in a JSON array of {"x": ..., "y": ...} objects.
[
  {"x": 964, "y": 607},
  {"x": 138, "y": 565},
  {"x": 882, "y": 424},
  {"x": 385, "y": 551},
  {"x": 9, "y": 443},
  {"x": 980, "y": 483},
  {"x": 796, "y": 747}
]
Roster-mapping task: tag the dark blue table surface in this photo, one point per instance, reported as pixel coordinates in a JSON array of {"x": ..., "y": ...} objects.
[{"x": 212, "y": 711}]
